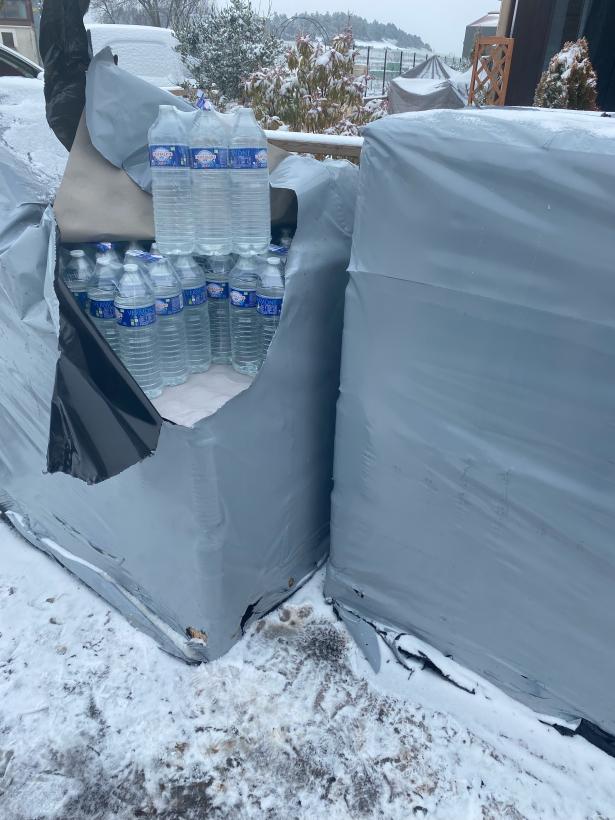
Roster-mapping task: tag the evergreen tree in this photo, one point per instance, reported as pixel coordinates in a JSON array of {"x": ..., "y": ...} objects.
[
  {"x": 225, "y": 46},
  {"x": 569, "y": 81},
  {"x": 315, "y": 90}
]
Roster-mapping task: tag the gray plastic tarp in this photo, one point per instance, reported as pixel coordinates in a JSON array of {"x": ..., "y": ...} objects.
[
  {"x": 475, "y": 448},
  {"x": 225, "y": 518},
  {"x": 431, "y": 84}
]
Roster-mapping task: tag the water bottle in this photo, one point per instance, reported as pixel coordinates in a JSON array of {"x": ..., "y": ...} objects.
[
  {"x": 170, "y": 321},
  {"x": 101, "y": 295},
  {"x": 142, "y": 259},
  {"x": 135, "y": 312},
  {"x": 217, "y": 276},
  {"x": 171, "y": 185},
  {"x": 211, "y": 184},
  {"x": 269, "y": 296},
  {"x": 286, "y": 238},
  {"x": 108, "y": 250},
  {"x": 249, "y": 185},
  {"x": 77, "y": 275},
  {"x": 194, "y": 289},
  {"x": 245, "y": 335}
]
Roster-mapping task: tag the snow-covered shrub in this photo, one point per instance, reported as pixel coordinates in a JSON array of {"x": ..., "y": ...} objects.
[
  {"x": 226, "y": 45},
  {"x": 314, "y": 90},
  {"x": 569, "y": 81}
]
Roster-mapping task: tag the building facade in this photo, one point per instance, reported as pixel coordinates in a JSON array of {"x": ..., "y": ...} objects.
[{"x": 17, "y": 29}]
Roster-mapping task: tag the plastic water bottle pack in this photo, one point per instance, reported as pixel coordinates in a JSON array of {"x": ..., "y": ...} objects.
[
  {"x": 77, "y": 274},
  {"x": 269, "y": 296},
  {"x": 135, "y": 310},
  {"x": 101, "y": 296},
  {"x": 164, "y": 312},
  {"x": 211, "y": 185},
  {"x": 245, "y": 330},
  {"x": 172, "y": 346},
  {"x": 194, "y": 292},
  {"x": 251, "y": 211},
  {"x": 217, "y": 272},
  {"x": 169, "y": 158}
]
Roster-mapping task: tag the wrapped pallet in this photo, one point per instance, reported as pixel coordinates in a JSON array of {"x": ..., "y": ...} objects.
[
  {"x": 474, "y": 479},
  {"x": 198, "y": 515}
]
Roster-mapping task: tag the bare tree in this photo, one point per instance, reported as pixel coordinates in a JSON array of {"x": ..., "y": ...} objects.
[{"x": 160, "y": 13}]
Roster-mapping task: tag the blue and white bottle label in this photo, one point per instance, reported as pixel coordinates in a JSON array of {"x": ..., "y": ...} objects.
[
  {"x": 136, "y": 317},
  {"x": 145, "y": 256},
  {"x": 248, "y": 157},
  {"x": 217, "y": 290},
  {"x": 169, "y": 156},
  {"x": 195, "y": 296},
  {"x": 82, "y": 298},
  {"x": 277, "y": 250},
  {"x": 209, "y": 158},
  {"x": 269, "y": 305},
  {"x": 102, "y": 308},
  {"x": 169, "y": 305},
  {"x": 243, "y": 298}
]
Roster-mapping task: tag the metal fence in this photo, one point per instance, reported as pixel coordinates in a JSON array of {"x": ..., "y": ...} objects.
[{"x": 382, "y": 64}]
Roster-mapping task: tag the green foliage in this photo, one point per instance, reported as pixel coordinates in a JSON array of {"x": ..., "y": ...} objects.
[
  {"x": 226, "y": 45},
  {"x": 315, "y": 90},
  {"x": 569, "y": 81}
]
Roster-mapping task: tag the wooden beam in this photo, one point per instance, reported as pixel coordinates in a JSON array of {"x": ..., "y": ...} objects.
[{"x": 332, "y": 145}]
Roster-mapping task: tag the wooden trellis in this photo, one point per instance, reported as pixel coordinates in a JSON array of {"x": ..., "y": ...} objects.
[{"x": 490, "y": 70}]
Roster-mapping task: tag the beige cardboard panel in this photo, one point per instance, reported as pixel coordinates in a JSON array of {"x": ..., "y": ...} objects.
[{"x": 97, "y": 201}]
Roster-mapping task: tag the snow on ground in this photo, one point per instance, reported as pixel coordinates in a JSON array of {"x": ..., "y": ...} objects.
[
  {"x": 24, "y": 129},
  {"x": 96, "y": 722}
]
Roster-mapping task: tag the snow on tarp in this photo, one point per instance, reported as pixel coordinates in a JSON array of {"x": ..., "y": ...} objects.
[
  {"x": 431, "y": 84},
  {"x": 474, "y": 483},
  {"x": 432, "y": 69}
]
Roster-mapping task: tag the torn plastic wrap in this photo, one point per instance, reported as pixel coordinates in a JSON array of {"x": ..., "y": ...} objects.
[
  {"x": 474, "y": 479},
  {"x": 225, "y": 518}
]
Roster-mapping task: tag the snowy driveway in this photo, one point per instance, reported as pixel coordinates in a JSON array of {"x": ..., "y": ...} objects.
[
  {"x": 24, "y": 129},
  {"x": 96, "y": 722}
]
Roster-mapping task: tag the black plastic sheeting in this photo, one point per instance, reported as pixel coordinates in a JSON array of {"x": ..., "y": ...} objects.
[
  {"x": 92, "y": 383},
  {"x": 591, "y": 733}
]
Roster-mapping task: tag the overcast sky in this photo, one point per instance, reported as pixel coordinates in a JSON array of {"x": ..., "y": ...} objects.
[{"x": 441, "y": 23}]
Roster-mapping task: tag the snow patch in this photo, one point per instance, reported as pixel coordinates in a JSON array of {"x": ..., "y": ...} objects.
[{"x": 292, "y": 722}]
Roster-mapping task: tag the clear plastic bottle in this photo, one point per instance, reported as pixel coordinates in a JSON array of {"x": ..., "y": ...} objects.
[
  {"x": 77, "y": 275},
  {"x": 137, "y": 330},
  {"x": 211, "y": 184},
  {"x": 101, "y": 295},
  {"x": 269, "y": 296},
  {"x": 244, "y": 320},
  {"x": 169, "y": 161},
  {"x": 217, "y": 275},
  {"x": 286, "y": 238},
  {"x": 108, "y": 250},
  {"x": 170, "y": 320},
  {"x": 251, "y": 212},
  {"x": 196, "y": 313},
  {"x": 142, "y": 259}
]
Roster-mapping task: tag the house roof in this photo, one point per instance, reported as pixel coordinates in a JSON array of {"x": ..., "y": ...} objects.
[{"x": 487, "y": 20}]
